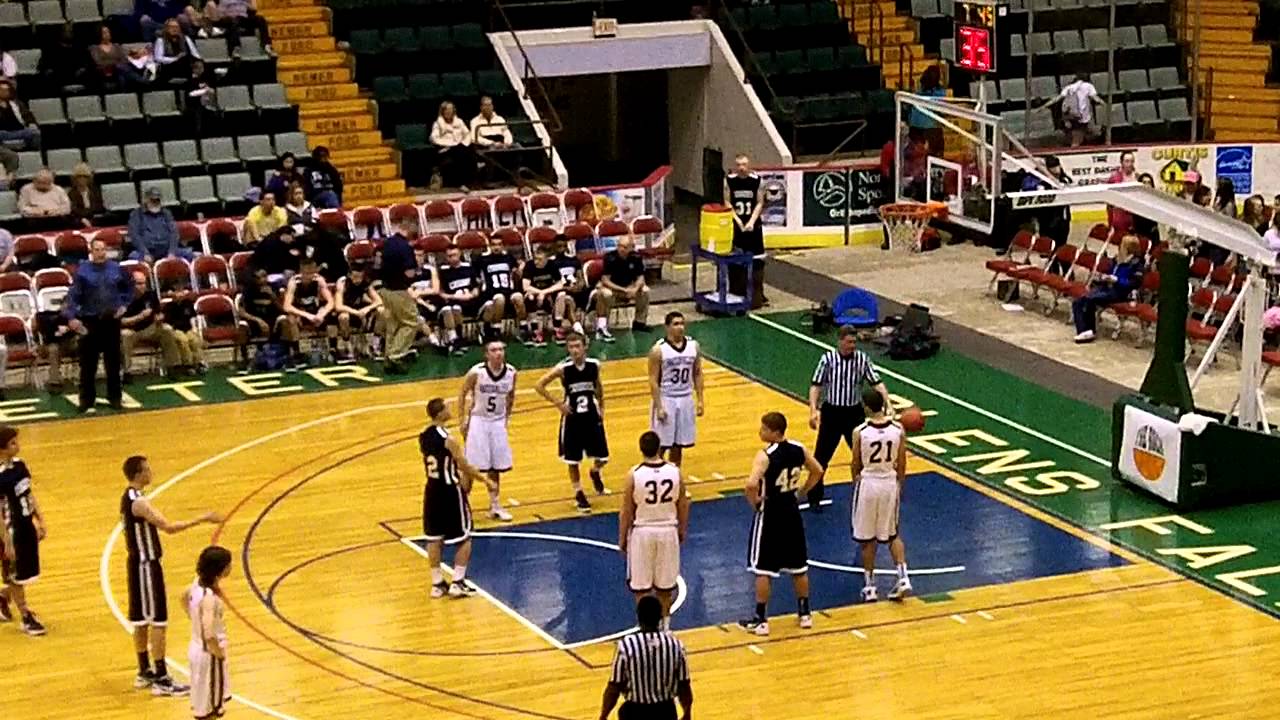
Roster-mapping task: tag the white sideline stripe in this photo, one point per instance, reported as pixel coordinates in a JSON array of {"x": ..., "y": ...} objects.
[
  {"x": 882, "y": 571},
  {"x": 945, "y": 396},
  {"x": 858, "y": 634},
  {"x": 985, "y": 615},
  {"x": 104, "y": 566},
  {"x": 959, "y": 619},
  {"x": 755, "y": 649},
  {"x": 682, "y": 590}
]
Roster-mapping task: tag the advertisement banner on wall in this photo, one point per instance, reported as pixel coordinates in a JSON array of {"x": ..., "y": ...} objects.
[
  {"x": 1235, "y": 163},
  {"x": 774, "y": 187},
  {"x": 1166, "y": 164},
  {"x": 828, "y": 193},
  {"x": 625, "y": 204}
]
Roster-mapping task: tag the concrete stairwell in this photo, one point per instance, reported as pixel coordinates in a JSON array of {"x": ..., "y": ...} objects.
[
  {"x": 1243, "y": 108},
  {"x": 898, "y": 38},
  {"x": 332, "y": 109}
]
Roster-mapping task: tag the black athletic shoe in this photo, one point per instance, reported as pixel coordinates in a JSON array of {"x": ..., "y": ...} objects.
[
  {"x": 581, "y": 499},
  {"x": 168, "y": 687},
  {"x": 461, "y": 589},
  {"x": 5, "y": 613},
  {"x": 32, "y": 626},
  {"x": 440, "y": 589},
  {"x": 597, "y": 482},
  {"x": 639, "y": 327},
  {"x": 755, "y": 626},
  {"x": 143, "y": 680}
]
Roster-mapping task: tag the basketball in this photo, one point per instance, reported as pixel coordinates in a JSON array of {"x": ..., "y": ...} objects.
[{"x": 912, "y": 419}]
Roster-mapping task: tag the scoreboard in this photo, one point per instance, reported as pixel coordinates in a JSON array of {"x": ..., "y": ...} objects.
[{"x": 976, "y": 23}]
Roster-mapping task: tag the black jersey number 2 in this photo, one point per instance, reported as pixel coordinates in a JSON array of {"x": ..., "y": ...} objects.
[{"x": 654, "y": 497}]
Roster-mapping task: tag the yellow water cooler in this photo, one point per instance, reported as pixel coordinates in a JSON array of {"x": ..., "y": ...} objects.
[{"x": 716, "y": 229}]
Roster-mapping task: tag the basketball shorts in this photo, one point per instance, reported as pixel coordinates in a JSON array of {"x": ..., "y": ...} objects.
[
  {"x": 148, "y": 603},
  {"x": 365, "y": 324},
  {"x": 583, "y": 437},
  {"x": 875, "y": 509},
  {"x": 446, "y": 514},
  {"x": 680, "y": 427},
  {"x": 583, "y": 300},
  {"x": 487, "y": 298},
  {"x": 777, "y": 542},
  {"x": 467, "y": 308},
  {"x": 210, "y": 691},
  {"x": 653, "y": 558},
  {"x": 546, "y": 305},
  {"x": 24, "y": 567},
  {"x": 487, "y": 445}
]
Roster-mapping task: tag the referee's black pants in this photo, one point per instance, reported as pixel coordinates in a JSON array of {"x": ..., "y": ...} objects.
[
  {"x": 647, "y": 711},
  {"x": 102, "y": 338},
  {"x": 835, "y": 422}
]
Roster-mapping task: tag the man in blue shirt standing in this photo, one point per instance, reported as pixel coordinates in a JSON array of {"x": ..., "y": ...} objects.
[
  {"x": 399, "y": 269},
  {"x": 97, "y": 300}
]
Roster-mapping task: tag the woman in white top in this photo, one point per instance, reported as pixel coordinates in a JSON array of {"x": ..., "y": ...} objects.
[
  {"x": 207, "y": 651},
  {"x": 302, "y": 214},
  {"x": 455, "y": 163}
]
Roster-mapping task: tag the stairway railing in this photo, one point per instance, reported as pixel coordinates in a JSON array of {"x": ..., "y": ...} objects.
[
  {"x": 751, "y": 65},
  {"x": 873, "y": 41},
  {"x": 554, "y": 125}
]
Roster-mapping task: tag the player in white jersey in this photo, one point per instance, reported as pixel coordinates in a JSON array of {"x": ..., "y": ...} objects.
[
  {"x": 207, "y": 651},
  {"x": 652, "y": 525},
  {"x": 484, "y": 405},
  {"x": 675, "y": 386},
  {"x": 879, "y": 469}
]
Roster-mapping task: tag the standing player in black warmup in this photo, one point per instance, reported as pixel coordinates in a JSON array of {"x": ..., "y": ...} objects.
[
  {"x": 777, "y": 533},
  {"x": 24, "y": 529},
  {"x": 543, "y": 297},
  {"x": 496, "y": 270},
  {"x": 446, "y": 514},
  {"x": 148, "y": 602},
  {"x": 582, "y": 425},
  {"x": 744, "y": 194}
]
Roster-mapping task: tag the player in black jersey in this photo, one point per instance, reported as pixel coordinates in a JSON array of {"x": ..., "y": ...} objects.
[
  {"x": 543, "y": 297},
  {"x": 262, "y": 318},
  {"x": 580, "y": 296},
  {"x": 425, "y": 291},
  {"x": 148, "y": 601},
  {"x": 307, "y": 298},
  {"x": 582, "y": 422},
  {"x": 24, "y": 529},
  {"x": 496, "y": 271},
  {"x": 459, "y": 296},
  {"x": 446, "y": 514},
  {"x": 744, "y": 194},
  {"x": 361, "y": 315},
  {"x": 777, "y": 533}
]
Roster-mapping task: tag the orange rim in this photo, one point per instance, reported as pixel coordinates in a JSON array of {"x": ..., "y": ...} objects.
[{"x": 912, "y": 211}]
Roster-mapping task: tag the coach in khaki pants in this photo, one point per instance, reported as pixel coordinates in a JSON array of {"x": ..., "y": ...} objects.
[
  {"x": 143, "y": 321},
  {"x": 399, "y": 268}
]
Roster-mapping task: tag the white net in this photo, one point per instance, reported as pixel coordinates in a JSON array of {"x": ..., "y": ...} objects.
[{"x": 905, "y": 223}]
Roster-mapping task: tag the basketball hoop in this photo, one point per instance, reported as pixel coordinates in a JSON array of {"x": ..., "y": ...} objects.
[{"x": 905, "y": 222}]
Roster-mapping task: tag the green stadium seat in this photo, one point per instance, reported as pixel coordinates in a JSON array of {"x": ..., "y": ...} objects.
[
  {"x": 412, "y": 137},
  {"x": 470, "y": 36},
  {"x": 365, "y": 42},
  {"x": 435, "y": 39},
  {"x": 850, "y": 56},
  {"x": 494, "y": 83},
  {"x": 458, "y": 85},
  {"x": 822, "y": 59},
  {"x": 390, "y": 89},
  {"x": 400, "y": 40},
  {"x": 425, "y": 86}
]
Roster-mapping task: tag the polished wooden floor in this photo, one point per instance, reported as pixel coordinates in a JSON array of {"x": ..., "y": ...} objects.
[{"x": 1130, "y": 642}]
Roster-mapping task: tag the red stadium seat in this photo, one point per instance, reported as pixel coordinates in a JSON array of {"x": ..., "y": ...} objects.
[
  {"x": 173, "y": 273},
  {"x": 441, "y": 217},
  {"x": 113, "y": 238},
  {"x": 542, "y": 235},
  {"x": 1018, "y": 256},
  {"x": 471, "y": 241},
  {"x": 368, "y": 222},
  {"x": 578, "y": 234},
  {"x": 51, "y": 277},
  {"x": 477, "y": 214},
  {"x": 647, "y": 230},
  {"x": 213, "y": 274},
  {"x": 405, "y": 213},
  {"x": 509, "y": 211},
  {"x": 216, "y": 318},
  {"x": 14, "y": 281},
  {"x": 575, "y": 202},
  {"x": 71, "y": 247},
  {"x": 512, "y": 239},
  {"x": 1201, "y": 302},
  {"x": 545, "y": 209},
  {"x": 359, "y": 251},
  {"x": 433, "y": 243},
  {"x": 335, "y": 221},
  {"x": 21, "y": 348},
  {"x": 29, "y": 247},
  {"x": 189, "y": 235}
]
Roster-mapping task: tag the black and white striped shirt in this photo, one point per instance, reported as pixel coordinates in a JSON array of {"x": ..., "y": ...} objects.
[
  {"x": 649, "y": 666},
  {"x": 843, "y": 378}
]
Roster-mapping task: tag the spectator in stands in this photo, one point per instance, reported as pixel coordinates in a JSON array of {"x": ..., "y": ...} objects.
[
  {"x": 155, "y": 14},
  {"x": 174, "y": 52},
  {"x": 8, "y": 67},
  {"x": 1121, "y": 220},
  {"x": 179, "y": 314},
  {"x": 1272, "y": 237},
  {"x": 42, "y": 201},
  {"x": 263, "y": 219},
  {"x": 1052, "y": 222},
  {"x": 153, "y": 231},
  {"x": 399, "y": 270},
  {"x": 65, "y": 65},
  {"x": 1077, "y": 102},
  {"x": 278, "y": 254},
  {"x": 8, "y": 167},
  {"x": 202, "y": 96},
  {"x": 1109, "y": 289},
  {"x": 143, "y": 321},
  {"x": 262, "y": 319},
  {"x": 623, "y": 282},
  {"x": 489, "y": 129},
  {"x": 107, "y": 57},
  {"x": 922, "y": 125},
  {"x": 237, "y": 18},
  {"x": 286, "y": 174},
  {"x": 139, "y": 69},
  {"x": 54, "y": 341},
  {"x": 302, "y": 214},
  {"x": 455, "y": 163},
  {"x": 1142, "y": 226},
  {"x": 86, "y": 196},
  {"x": 1225, "y": 201},
  {"x": 1191, "y": 185},
  {"x": 18, "y": 128},
  {"x": 323, "y": 180},
  {"x": 1203, "y": 197},
  {"x": 1255, "y": 214},
  {"x": 8, "y": 258},
  {"x": 97, "y": 300}
]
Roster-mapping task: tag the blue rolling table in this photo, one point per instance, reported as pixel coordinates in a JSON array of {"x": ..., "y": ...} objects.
[{"x": 721, "y": 301}]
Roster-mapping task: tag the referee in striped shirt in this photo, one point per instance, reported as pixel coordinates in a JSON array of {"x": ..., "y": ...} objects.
[
  {"x": 835, "y": 400},
  {"x": 650, "y": 669}
]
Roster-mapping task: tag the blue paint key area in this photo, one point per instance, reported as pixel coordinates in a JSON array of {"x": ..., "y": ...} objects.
[{"x": 567, "y": 577}]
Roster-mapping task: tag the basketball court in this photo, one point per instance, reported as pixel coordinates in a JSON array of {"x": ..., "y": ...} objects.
[{"x": 1026, "y": 606}]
